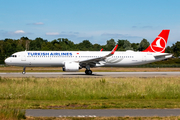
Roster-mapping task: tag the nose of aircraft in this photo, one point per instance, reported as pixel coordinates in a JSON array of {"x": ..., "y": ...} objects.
[{"x": 6, "y": 61}]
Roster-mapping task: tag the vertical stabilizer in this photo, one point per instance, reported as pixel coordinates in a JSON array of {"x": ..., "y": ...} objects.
[{"x": 159, "y": 44}]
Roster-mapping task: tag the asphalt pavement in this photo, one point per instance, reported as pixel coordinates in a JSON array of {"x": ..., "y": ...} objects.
[
  {"x": 102, "y": 112},
  {"x": 95, "y": 74}
]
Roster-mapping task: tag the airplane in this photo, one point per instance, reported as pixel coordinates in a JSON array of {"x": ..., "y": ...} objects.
[{"x": 72, "y": 61}]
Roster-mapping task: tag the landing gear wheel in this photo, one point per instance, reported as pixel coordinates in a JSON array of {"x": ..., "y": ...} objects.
[
  {"x": 88, "y": 72},
  {"x": 23, "y": 73}
]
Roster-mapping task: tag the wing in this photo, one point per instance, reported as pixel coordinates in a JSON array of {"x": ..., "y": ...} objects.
[{"x": 94, "y": 61}]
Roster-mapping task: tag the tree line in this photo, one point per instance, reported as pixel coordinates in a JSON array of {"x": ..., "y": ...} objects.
[{"x": 10, "y": 46}]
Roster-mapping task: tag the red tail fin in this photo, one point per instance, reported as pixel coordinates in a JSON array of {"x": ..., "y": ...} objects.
[{"x": 159, "y": 44}]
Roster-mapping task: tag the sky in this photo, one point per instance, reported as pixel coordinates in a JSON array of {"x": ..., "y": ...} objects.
[{"x": 93, "y": 20}]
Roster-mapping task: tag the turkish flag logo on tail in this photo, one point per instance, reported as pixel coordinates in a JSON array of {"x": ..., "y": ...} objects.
[{"x": 159, "y": 44}]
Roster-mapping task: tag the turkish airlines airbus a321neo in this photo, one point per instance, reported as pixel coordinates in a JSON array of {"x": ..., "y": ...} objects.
[{"x": 75, "y": 60}]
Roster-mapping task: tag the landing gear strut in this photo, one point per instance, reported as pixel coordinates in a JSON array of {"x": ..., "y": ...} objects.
[
  {"x": 88, "y": 71},
  {"x": 24, "y": 70}
]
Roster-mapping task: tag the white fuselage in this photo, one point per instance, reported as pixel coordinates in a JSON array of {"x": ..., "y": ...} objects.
[{"x": 58, "y": 58}]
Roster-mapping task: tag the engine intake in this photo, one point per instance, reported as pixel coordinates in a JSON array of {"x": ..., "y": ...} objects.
[{"x": 71, "y": 66}]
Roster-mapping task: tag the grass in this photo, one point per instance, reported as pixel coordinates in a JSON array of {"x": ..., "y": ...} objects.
[
  {"x": 87, "y": 93},
  {"x": 61, "y": 93},
  {"x": 89, "y": 88},
  {"x": 12, "y": 114}
]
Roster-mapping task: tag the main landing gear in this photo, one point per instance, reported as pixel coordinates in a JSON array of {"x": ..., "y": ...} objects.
[
  {"x": 24, "y": 71},
  {"x": 88, "y": 71}
]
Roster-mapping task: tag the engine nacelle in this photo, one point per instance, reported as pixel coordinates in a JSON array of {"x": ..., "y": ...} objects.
[{"x": 71, "y": 66}]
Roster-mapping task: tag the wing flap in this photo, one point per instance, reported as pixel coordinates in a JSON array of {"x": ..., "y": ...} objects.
[{"x": 96, "y": 60}]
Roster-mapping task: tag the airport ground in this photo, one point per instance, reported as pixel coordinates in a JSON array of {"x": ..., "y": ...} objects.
[
  {"x": 90, "y": 93},
  {"x": 107, "y": 118},
  {"x": 98, "y": 69}
]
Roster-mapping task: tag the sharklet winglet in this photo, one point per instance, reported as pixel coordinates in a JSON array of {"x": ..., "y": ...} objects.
[{"x": 114, "y": 49}]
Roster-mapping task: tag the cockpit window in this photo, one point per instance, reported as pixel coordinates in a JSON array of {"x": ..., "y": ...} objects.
[{"x": 13, "y": 56}]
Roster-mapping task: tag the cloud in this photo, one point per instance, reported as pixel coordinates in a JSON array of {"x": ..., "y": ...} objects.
[
  {"x": 63, "y": 34},
  {"x": 134, "y": 26},
  {"x": 76, "y": 32},
  {"x": 71, "y": 35},
  {"x": 69, "y": 32},
  {"x": 19, "y": 32},
  {"x": 52, "y": 33},
  {"x": 142, "y": 27},
  {"x": 118, "y": 35},
  {"x": 37, "y": 23},
  {"x": 145, "y": 27},
  {"x": 16, "y": 33}
]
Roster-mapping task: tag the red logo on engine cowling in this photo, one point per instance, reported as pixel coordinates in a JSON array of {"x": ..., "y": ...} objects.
[{"x": 158, "y": 44}]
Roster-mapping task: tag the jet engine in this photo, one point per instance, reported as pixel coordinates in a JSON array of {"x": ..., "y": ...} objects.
[{"x": 71, "y": 66}]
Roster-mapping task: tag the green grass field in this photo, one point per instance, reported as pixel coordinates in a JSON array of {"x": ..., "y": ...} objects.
[{"x": 88, "y": 93}]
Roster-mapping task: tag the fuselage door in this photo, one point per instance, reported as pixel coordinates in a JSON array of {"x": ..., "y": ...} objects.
[
  {"x": 23, "y": 56},
  {"x": 144, "y": 58},
  {"x": 77, "y": 56}
]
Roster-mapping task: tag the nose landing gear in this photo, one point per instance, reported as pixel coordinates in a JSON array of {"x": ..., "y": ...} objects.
[{"x": 24, "y": 71}]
